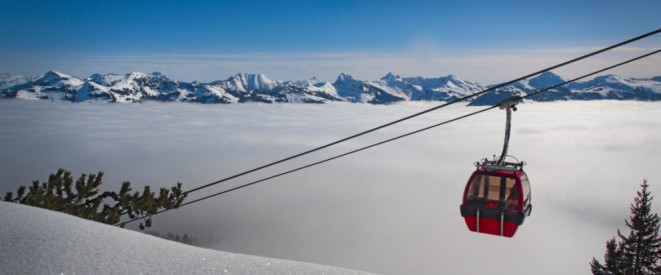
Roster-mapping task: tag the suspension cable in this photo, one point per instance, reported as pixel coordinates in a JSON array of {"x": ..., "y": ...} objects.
[
  {"x": 395, "y": 138},
  {"x": 424, "y": 112}
]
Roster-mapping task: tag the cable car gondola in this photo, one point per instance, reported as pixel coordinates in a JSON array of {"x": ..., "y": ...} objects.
[{"x": 497, "y": 196}]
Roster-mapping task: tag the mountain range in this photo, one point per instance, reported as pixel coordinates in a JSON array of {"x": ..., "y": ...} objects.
[{"x": 140, "y": 87}]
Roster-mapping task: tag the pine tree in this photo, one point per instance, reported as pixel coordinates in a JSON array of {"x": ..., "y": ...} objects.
[
  {"x": 612, "y": 260},
  {"x": 640, "y": 252},
  {"x": 82, "y": 199},
  {"x": 642, "y": 247}
]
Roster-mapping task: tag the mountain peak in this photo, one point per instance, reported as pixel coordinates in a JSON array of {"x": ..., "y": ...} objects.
[
  {"x": 545, "y": 80},
  {"x": 160, "y": 76},
  {"x": 391, "y": 77},
  {"x": 136, "y": 75},
  {"x": 54, "y": 72},
  {"x": 243, "y": 75},
  {"x": 250, "y": 82},
  {"x": 50, "y": 75},
  {"x": 53, "y": 77},
  {"x": 344, "y": 77}
]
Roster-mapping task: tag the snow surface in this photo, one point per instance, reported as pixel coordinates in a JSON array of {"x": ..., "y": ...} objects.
[
  {"x": 53, "y": 78},
  {"x": 249, "y": 82},
  {"x": 39, "y": 241}
]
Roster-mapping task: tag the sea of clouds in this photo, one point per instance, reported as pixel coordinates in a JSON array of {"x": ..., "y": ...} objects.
[{"x": 392, "y": 209}]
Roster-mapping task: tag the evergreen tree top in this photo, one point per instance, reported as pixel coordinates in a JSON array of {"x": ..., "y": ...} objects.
[{"x": 640, "y": 251}]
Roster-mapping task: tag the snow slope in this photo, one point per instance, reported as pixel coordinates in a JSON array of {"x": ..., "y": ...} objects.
[{"x": 38, "y": 241}]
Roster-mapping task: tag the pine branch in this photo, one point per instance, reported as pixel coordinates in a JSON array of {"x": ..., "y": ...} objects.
[{"x": 82, "y": 198}]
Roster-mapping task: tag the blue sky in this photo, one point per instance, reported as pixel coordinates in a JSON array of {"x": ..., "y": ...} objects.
[{"x": 209, "y": 40}]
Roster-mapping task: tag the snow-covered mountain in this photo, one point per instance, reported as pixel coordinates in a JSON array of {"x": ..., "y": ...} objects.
[
  {"x": 611, "y": 87},
  {"x": 131, "y": 87},
  {"x": 446, "y": 88},
  {"x": 356, "y": 90},
  {"x": 139, "y": 87},
  {"x": 392, "y": 88},
  {"x": 52, "y": 85},
  {"x": 10, "y": 80},
  {"x": 617, "y": 87},
  {"x": 526, "y": 86}
]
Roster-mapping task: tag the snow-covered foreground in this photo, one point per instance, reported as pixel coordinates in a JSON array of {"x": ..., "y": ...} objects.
[
  {"x": 38, "y": 241},
  {"x": 392, "y": 209}
]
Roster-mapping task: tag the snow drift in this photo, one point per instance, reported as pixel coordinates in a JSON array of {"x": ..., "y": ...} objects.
[{"x": 38, "y": 241}]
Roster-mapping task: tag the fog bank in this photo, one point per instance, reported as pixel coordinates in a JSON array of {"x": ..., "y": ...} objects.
[{"x": 392, "y": 209}]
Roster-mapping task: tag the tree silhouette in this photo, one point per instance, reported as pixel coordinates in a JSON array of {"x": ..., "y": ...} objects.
[
  {"x": 639, "y": 252},
  {"x": 82, "y": 198}
]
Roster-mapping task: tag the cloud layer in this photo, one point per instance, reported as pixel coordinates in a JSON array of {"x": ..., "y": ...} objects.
[{"x": 392, "y": 209}]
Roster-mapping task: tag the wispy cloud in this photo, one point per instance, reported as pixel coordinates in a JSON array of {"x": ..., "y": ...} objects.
[{"x": 482, "y": 66}]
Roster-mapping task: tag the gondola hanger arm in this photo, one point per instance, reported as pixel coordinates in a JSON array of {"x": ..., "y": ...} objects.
[{"x": 508, "y": 105}]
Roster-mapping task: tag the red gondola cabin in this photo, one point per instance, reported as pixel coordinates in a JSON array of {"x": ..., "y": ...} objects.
[{"x": 496, "y": 199}]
